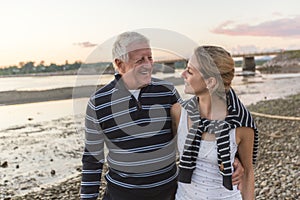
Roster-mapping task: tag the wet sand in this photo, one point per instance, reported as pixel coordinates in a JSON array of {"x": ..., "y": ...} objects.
[
  {"x": 36, "y": 155},
  {"x": 21, "y": 97}
]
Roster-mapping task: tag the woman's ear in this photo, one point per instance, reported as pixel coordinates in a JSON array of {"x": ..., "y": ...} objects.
[{"x": 211, "y": 82}]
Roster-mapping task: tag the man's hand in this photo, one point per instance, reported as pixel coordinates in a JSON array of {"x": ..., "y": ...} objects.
[{"x": 238, "y": 173}]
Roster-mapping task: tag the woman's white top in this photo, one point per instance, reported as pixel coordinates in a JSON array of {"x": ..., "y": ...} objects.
[{"x": 206, "y": 180}]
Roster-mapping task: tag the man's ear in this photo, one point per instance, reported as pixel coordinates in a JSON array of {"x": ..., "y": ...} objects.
[{"x": 120, "y": 65}]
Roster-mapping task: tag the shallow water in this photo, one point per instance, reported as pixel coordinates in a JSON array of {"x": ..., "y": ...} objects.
[
  {"x": 50, "y": 82},
  {"x": 30, "y": 113},
  {"x": 250, "y": 89},
  {"x": 266, "y": 87}
]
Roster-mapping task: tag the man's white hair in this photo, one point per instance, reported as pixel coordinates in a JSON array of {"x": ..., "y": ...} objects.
[{"x": 119, "y": 49}]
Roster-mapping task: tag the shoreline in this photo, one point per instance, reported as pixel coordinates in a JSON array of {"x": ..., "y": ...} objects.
[
  {"x": 21, "y": 97},
  {"x": 14, "y": 97},
  {"x": 250, "y": 89},
  {"x": 278, "y": 85}
]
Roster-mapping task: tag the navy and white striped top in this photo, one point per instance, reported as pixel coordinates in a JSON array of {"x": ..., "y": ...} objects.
[
  {"x": 137, "y": 134},
  {"x": 238, "y": 116}
]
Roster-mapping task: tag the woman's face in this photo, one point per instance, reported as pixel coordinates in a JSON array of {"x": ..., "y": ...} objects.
[{"x": 193, "y": 79}]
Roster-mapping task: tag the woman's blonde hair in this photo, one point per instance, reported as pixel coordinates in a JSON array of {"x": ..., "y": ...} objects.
[{"x": 216, "y": 62}]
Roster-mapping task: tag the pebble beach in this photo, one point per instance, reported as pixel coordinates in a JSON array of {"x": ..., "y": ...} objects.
[{"x": 277, "y": 173}]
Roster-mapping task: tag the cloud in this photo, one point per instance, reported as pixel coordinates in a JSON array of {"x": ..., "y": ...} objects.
[
  {"x": 284, "y": 27},
  {"x": 85, "y": 44},
  {"x": 276, "y": 14}
]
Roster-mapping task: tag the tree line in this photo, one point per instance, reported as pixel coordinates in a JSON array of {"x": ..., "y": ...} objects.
[
  {"x": 67, "y": 68},
  {"x": 33, "y": 68},
  {"x": 77, "y": 67},
  {"x": 72, "y": 68}
]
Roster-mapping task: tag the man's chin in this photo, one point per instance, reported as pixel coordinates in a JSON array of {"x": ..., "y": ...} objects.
[{"x": 145, "y": 83}]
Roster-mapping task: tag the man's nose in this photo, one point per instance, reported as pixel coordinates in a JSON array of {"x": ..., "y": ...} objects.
[
  {"x": 183, "y": 74},
  {"x": 147, "y": 65},
  {"x": 148, "y": 61}
]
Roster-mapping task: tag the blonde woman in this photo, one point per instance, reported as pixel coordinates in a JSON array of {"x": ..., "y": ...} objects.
[{"x": 212, "y": 127}]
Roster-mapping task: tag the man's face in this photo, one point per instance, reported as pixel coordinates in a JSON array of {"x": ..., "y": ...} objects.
[{"x": 136, "y": 73}]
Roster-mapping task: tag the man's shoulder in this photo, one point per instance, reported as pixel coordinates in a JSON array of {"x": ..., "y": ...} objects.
[
  {"x": 109, "y": 86},
  {"x": 104, "y": 91}
]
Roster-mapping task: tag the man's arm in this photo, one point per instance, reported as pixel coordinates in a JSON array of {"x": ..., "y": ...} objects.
[
  {"x": 238, "y": 173},
  {"x": 93, "y": 155}
]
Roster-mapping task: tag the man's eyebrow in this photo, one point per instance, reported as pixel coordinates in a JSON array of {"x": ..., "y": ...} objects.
[
  {"x": 189, "y": 67},
  {"x": 139, "y": 58}
]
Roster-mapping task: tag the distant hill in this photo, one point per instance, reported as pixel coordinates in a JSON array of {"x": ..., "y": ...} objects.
[{"x": 284, "y": 62}]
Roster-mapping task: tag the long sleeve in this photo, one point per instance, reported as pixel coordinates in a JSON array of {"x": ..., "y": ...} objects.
[{"x": 93, "y": 155}]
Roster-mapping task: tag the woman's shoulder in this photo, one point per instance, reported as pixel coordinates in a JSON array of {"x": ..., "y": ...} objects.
[{"x": 176, "y": 111}]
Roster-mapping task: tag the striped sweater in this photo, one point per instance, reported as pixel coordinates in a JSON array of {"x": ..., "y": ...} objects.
[
  {"x": 238, "y": 116},
  {"x": 137, "y": 134}
]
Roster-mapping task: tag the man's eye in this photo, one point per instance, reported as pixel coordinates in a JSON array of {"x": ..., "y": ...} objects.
[
  {"x": 139, "y": 61},
  {"x": 188, "y": 70}
]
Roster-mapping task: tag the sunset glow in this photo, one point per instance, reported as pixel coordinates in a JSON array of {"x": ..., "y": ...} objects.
[{"x": 55, "y": 31}]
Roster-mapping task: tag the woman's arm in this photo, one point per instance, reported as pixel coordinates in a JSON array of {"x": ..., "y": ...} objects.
[{"x": 245, "y": 140}]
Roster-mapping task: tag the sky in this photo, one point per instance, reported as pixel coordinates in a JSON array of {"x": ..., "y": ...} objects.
[{"x": 54, "y": 31}]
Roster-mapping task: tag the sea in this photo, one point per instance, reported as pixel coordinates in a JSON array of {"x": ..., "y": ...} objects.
[{"x": 251, "y": 88}]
